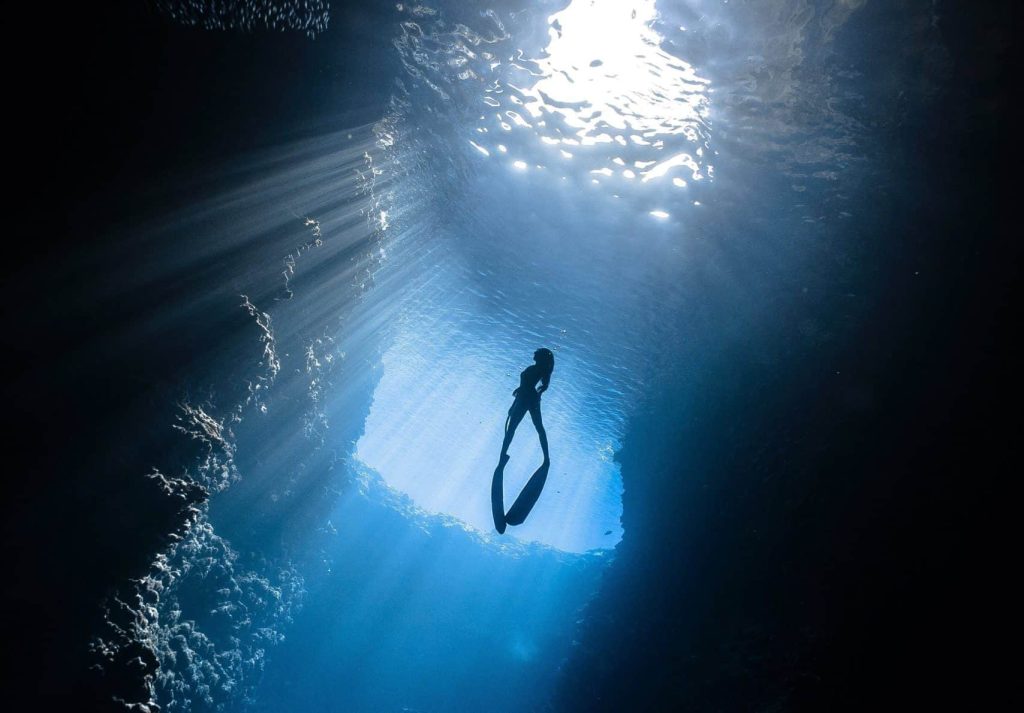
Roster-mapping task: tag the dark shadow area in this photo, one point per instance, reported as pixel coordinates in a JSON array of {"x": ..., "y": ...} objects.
[
  {"x": 828, "y": 533},
  {"x": 124, "y": 106}
]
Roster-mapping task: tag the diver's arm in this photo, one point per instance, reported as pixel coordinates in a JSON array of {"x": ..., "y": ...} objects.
[{"x": 544, "y": 382}]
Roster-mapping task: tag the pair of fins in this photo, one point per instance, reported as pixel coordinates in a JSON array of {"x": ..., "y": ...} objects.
[{"x": 524, "y": 503}]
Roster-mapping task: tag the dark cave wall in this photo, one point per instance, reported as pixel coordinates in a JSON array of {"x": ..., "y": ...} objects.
[{"x": 825, "y": 533}]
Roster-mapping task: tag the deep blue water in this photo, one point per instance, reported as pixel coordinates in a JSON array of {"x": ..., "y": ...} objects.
[{"x": 717, "y": 215}]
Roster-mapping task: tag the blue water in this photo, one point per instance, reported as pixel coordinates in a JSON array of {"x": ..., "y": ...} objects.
[{"x": 642, "y": 188}]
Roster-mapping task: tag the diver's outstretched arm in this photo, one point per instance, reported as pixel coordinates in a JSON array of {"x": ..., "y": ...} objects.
[{"x": 545, "y": 382}]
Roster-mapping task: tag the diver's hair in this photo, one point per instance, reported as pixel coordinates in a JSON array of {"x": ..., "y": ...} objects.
[{"x": 546, "y": 360}]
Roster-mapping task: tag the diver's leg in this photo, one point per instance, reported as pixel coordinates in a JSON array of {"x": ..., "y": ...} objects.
[
  {"x": 539, "y": 424},
  {"x": 515, "y": 415}
]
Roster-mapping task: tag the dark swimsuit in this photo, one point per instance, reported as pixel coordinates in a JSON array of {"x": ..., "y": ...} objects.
[{"x": 526, "y": 395}]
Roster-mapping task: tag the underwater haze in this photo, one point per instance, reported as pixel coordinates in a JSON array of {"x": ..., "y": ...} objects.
[{"x": 311, "y": 246}]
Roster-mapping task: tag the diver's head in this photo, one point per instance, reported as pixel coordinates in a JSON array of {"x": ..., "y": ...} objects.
[{"x": 544, "y": 357}]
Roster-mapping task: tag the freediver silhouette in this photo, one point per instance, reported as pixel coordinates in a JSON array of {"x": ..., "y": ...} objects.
[{"x": 527, "y": 399}]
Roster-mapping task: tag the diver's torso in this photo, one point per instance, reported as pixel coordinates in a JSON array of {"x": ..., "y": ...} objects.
[{"x": 528, "y": 384}]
